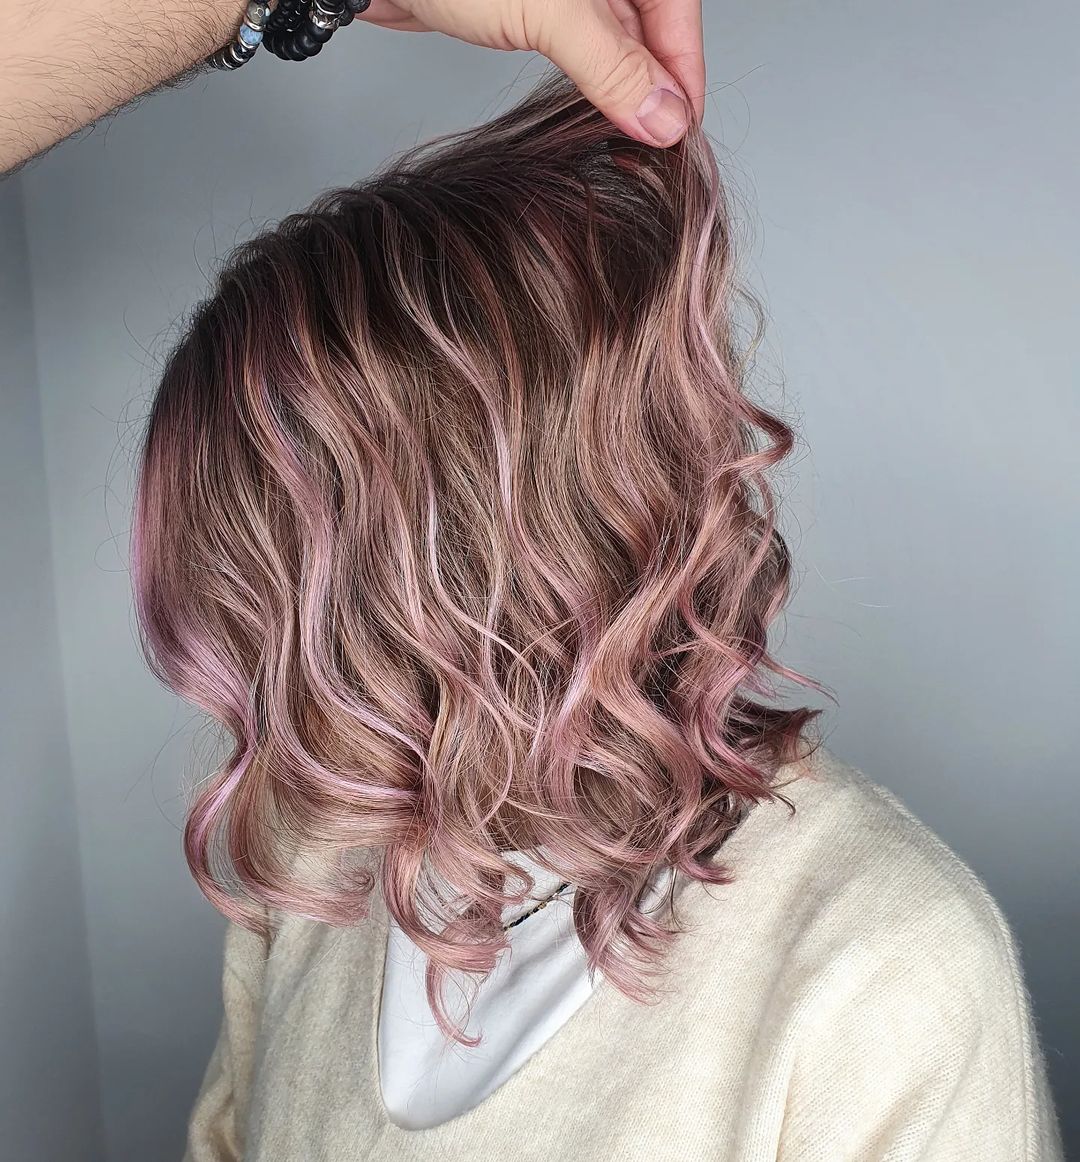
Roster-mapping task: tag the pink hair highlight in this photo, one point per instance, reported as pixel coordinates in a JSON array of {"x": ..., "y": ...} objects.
[{"x": 453, "y": 512}]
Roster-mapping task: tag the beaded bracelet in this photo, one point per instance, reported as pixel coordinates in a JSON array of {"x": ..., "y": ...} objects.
[{"x": 291, "y": 29}]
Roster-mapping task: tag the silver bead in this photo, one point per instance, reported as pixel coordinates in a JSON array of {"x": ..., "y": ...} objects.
[
  {"x": 323, "y": 16},
  {"x": 323, "y": 19}
]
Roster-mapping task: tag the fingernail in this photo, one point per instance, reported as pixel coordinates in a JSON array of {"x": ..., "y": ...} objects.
[{"x": 663, "y": 116}]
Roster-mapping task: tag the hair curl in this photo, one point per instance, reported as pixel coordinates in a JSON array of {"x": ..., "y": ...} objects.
[{"x": 453, "y": 511}]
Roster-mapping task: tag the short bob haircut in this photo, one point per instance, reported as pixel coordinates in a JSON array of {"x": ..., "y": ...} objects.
[{"x": 453, "y": 511}]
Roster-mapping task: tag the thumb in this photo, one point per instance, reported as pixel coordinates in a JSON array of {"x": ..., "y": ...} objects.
[{"x": 615, "y": 72}]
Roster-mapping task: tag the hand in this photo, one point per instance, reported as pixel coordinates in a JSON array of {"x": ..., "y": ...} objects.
[
  {"x": 66, "y": 65},
  {"x": 636, "y": 60}
]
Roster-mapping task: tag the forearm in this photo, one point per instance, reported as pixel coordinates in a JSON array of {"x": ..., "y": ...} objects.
[{"x": 66, "y": 64}]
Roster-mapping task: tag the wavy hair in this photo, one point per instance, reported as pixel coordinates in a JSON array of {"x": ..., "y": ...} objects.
[{"x": 453, "y": 511}]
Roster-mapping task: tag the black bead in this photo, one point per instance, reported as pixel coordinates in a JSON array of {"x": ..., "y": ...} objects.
[
  {"x": 320, "y": 35},
  {"x": 287, "y": 15},
  {"x": 306, "y": 43},
  {"x": 292, "y": 35},
  {"x": 281, "y": 45}
]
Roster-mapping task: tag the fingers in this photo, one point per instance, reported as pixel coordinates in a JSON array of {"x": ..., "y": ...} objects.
[
  {"x": 388, "y": 14},
  {"x": 614, "y": 71},
  {"x": 627, "y": 15},
  {"x": 672, "y": 31}
]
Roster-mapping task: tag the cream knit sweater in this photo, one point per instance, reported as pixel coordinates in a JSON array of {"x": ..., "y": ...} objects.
[{"x": 855, "y": 994}]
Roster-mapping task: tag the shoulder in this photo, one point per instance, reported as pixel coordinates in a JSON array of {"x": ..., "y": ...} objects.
[
  {"x": 852, "y": 844},
  {"x": 900, "y": 977},
  {"x": 852, "y": 882}
]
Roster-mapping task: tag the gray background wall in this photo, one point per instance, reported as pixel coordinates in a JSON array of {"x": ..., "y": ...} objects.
[
  {"x": 49, "y": 1100},
  {"x": 908, "y": 179}
]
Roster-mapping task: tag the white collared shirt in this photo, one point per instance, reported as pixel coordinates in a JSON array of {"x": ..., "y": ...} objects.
[{"x": 539, "y": 982}]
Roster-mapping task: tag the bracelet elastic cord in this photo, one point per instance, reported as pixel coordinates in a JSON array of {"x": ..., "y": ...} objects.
[{"x": 291, "y": 29}]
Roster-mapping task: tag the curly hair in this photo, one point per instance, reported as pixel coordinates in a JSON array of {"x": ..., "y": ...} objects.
[{"x": 453, "y": 511}]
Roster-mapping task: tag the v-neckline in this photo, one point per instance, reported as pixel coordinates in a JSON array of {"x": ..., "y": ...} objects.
[
  {"x": 564, "y": 1039},
  {"x": 604, "y": 1000}
]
